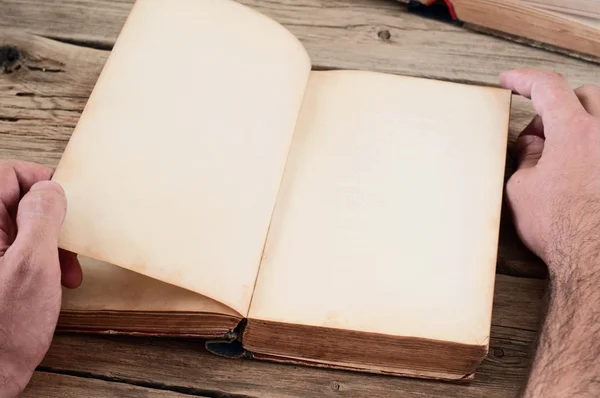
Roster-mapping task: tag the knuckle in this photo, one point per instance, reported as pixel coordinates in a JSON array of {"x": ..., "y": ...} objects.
[{"x": 513, "y": 185}]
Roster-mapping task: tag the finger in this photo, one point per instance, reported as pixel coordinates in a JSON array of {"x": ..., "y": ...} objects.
[
  {"x": 536, "y": 127},
  {"x": 16, "y": 178},
  {"x": 529, "y": 150},
  {"x": 552, "y": 97},
  {"x": 39, "y": 217},
  {"x": 70, "y": 269},
  {"x": 589, "y": 96}
]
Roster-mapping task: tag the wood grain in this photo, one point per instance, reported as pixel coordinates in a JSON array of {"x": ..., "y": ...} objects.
[
  {"x": 52, "y": 385},
  {"x": 517, "y": 302},
  {"x": 42, "y": 95},
  {"x": 342, "y": 34},
  {"x": 172, "y": 364},
  {"x": 337, "y": 34}
]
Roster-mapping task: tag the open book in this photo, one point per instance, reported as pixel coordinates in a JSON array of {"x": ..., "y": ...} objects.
[
  {"x": 572, "y": 25},
  {"x": 338, "y": 218}
]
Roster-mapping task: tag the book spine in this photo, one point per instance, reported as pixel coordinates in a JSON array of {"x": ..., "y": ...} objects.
[{"x": 231, "y": 346}]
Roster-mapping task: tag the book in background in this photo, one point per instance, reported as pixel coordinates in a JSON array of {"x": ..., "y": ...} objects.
[{"x": 570, "y": 26}]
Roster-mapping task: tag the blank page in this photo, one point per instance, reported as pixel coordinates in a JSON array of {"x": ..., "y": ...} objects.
[
  {"x": 388, "y": 215},
  {"x": 174, "y": 167},
  {"x": 106, "y": 287}
]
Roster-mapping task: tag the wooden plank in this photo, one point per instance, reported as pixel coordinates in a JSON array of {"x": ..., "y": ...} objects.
[
  {"x": 178, "y": 364},
  {"x": 52, "y": 385},
  {"x": 341, "y": 34},
  {"x": 185, "y": 363},
  {"x": 42, "y": 95},
  {"x": 337, "y": 34},
  {"x": 517, "y": 302}
]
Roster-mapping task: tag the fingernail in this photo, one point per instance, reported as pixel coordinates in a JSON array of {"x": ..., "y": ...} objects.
[{"x": 46, "y": 186}]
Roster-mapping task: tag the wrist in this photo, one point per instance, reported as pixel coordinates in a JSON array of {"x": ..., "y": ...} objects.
[{"x": 575, "y": 263}]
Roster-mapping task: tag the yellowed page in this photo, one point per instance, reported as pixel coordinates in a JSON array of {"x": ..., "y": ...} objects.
[
  {"x": 175, "y": 165},
  {"x": 107, "y": 287},
  {"x": 388, "y": 214}
]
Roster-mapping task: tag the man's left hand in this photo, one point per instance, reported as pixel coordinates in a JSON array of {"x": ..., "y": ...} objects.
[{"x": 32, "y": 210}]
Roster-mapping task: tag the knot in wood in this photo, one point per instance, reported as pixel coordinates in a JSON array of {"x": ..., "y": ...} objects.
[
  {"x": 384, "y": 35},
  {"x": 335, "y": 386},
  {"x": 9, "y": 55}
]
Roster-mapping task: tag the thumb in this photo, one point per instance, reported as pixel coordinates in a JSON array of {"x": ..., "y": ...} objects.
[
  {"x": 529, "y": 150},
  {"x": 39, "y": 217}
]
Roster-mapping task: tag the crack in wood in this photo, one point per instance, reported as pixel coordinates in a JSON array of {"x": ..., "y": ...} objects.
[
  {"x": 11, "y": 60},
  {"x": 37, "y": 135},
  {"x": 140, "y": 383},
  {"x": 45, "y": 69},
  {"x": 51, "y": 111},
  {"x": 8, "y": 119},
  {"x": 93, "y": 44},
  {"x": 61, "y": 96}
]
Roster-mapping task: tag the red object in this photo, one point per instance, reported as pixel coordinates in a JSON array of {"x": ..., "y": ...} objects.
[{"x": 451, "y": 9}]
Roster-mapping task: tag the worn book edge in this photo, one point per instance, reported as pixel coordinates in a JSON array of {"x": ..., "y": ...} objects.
[{"x": 230, "y": 346}]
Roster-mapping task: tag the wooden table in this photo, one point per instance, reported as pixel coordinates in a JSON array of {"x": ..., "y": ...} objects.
[{"x": 62, "y": 47}]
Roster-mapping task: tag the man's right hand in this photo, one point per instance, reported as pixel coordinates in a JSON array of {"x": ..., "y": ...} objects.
[
  {"x": 555, "y": 200},
  {"x": 555, "y": 194}
]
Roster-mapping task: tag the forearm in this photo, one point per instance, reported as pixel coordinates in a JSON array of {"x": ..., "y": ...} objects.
[{"x": 567, "y": 357}]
